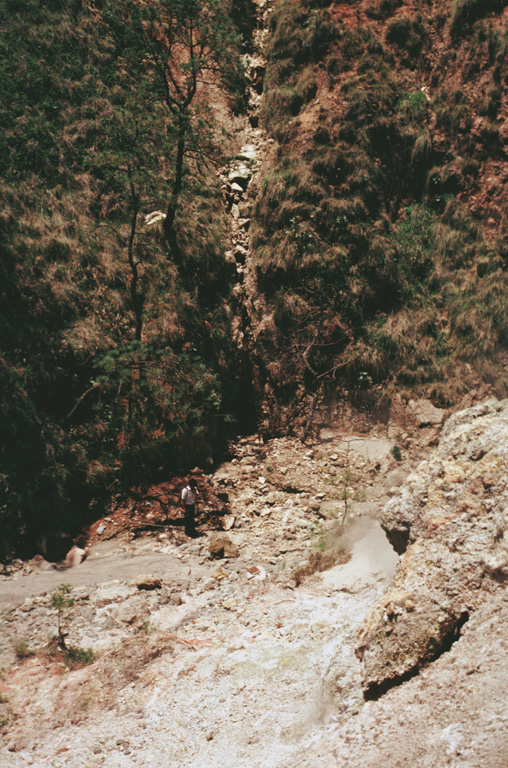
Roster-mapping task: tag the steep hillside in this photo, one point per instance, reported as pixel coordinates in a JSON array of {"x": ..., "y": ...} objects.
[
  {"x": 380, "y": 227},
  {"x": 116, "y": 358},
  {"x": 370, "y": 229}
]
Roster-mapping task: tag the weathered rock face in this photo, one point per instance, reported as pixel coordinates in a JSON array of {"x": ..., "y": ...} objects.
[{"x": 450, "y": 520}]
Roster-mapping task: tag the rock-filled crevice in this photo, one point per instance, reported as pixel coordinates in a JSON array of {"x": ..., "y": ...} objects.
[
  {"x": 245, "y": 407},
  {"x": 376, "y": 690},
  {"x": 240, "y": 181}
]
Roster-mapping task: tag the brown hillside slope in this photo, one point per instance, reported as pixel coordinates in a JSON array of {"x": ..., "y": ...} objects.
[{"x": 380, "y": 229}]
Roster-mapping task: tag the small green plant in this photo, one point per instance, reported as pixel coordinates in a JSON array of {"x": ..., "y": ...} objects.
[
  {"x": 145, "y": 628},
  {"x": 396, "y": 453},
  {"x": 61, "y": 601},
  {"x": 414, "y": 105},
  {"x": 347, "y": 477},
  {"x": 269, "y": 467},
  {"x": 75, "y": 656}
]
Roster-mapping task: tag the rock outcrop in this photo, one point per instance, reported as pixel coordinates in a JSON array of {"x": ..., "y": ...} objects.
[{"x": 450, "y": 521}]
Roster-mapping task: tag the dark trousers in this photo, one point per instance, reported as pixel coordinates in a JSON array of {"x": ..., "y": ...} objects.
[{"x": 190, "y": 511}]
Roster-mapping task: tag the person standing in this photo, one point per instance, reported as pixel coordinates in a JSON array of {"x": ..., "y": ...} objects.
[{"x": 189, "y": 495}]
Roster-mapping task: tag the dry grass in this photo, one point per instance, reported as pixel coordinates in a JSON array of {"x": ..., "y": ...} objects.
[{"x": 331, "y": 550}]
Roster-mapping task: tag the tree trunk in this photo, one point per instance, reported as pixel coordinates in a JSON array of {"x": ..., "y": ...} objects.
[
  {"x": 169, "y": 222},
  {"x": 136, "y": 296}
]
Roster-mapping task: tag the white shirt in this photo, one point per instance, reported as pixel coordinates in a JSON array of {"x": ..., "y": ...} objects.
[{"x": 189, "y": 495}]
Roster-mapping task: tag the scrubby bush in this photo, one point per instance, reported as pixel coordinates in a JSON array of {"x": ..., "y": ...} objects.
[
  {"x": 22, "y": 648},
  {"x": 78, "y": 657},
  {"x": 389, "y": 6},
  {"x": 407, "y": 33}
]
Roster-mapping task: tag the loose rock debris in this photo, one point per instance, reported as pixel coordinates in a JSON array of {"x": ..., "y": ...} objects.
[
  {"x": 241, "y": 671},
  {"x": 223, "y": 647}
]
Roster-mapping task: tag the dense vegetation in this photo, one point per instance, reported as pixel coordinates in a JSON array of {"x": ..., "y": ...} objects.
[
  {"x": 379, "y": 248},
  {"x": 379, "y": 231},
  {"x": 116, "y": 360}
]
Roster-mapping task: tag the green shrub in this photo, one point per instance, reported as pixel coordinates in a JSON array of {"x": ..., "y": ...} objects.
[
  {"x": 399, "y": 30},
  {"x": 388, "y": 7},
  {"x": 413, "y": 105},
  {"x": 396, "y": 453},
  {"x": 78, "y": 657}
]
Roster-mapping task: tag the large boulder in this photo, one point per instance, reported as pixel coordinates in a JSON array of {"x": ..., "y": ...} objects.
[
  {"x": 75, "y": 556},
  {"x": 148, "y": 581},
  {"x": 450, "y": 523},
  {"x": 220, "y": 545},
  {"x": 425, "y": 414}
]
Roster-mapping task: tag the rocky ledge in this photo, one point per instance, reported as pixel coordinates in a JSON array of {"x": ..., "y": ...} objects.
[{"x": 449, "y": 522}]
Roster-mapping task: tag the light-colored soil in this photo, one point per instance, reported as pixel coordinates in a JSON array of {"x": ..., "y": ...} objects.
[
  {"x": 214, "y": 669},
  {"x": 231, "y": 672},
  {"x": 106, "y": 561}
]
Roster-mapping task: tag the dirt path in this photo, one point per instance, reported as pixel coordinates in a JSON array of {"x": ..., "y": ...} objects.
[
  {"x": 372, "y": 558},
  {"x": 106, "y": 561}
]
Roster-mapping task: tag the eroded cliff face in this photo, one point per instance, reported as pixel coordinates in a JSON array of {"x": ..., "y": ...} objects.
[
  {"x": 433, "y": 647},
  {"x": 450, "y": 521}
]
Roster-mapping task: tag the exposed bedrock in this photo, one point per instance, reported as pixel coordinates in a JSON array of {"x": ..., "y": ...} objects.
[{"x": 450, "y": 523}]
